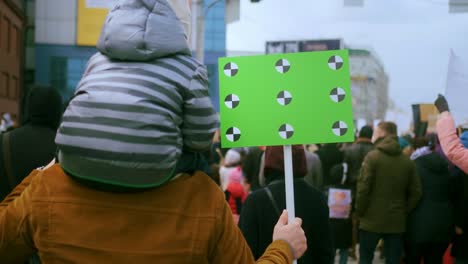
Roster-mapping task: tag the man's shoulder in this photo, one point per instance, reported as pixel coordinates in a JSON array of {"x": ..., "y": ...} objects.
[
  {"x": 374, "y": 154},
  {"x": 400, "y": 160},
  {"x": 201, "y": 186},
  {"x": 258, "y": 194}
]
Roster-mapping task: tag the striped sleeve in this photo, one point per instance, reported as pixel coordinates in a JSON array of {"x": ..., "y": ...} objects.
[{"x": 200, "y": 120}]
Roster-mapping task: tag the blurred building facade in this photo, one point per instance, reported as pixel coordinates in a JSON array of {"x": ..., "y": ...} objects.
[
  {"x": 369, "y": 85},
  {"x": 11, "y": 56}
]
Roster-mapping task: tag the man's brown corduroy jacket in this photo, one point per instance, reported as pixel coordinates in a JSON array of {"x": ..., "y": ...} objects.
[{"x": 184, "y": 221}]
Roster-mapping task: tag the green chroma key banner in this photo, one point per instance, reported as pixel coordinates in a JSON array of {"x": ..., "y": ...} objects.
[{"x": 282, "y": 99}]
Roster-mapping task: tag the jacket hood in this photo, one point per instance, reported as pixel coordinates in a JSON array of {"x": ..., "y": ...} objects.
[
  {"x": 44, "y": 107},
  {"x": 389, "y": 145},
  {"x": 420, "y": 152},
  {"x": 464, "y": 139},
  {"x": 142, "y": 30},
  {"x": 433, "y": 162}
]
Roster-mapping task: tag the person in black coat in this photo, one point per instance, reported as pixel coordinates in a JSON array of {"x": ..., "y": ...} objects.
[
  {"x": 431, "y": 225},
  {"x": 330, "y": 155},
  {"x": 32, "y": 145},
  {"x": 251, "y": 168},
  {"x": 341, "y": 225},
  {"x": 354, "y": 156},
  {"x": 259, "y": 212},
  {"x": 460, "y": 241}
]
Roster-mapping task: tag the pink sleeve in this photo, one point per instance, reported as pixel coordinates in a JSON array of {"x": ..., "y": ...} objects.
[{"x": 451, "y": 144}]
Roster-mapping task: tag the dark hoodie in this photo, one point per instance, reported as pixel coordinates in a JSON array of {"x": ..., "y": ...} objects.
[
  {"x": 388, "y": 188},
  {"x": 432, "y": 220},
  {"x": 32, "y": 145}
]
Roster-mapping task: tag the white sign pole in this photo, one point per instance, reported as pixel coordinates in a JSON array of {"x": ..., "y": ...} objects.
[{"x": 289, "y": 183}]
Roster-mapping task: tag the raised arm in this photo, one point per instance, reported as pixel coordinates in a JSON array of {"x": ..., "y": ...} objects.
[{"x": 451, "y": 144}]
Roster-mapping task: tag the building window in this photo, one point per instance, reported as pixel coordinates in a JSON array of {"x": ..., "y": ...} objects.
[
  {"x": 215, "y": 29},
  {"x": 4, "y": 84},
  {"x": 1, "y": 31},
  {"x": 66, "y": 73},
  {"x": 14, "y": 39},
  {"x": 14, "y": 89},
  {"x": 30, "y": 42},
  {"x": 75, "y": 70},
  {"x": 6, "y": 34},
  {"x": 212, "y": 77}
]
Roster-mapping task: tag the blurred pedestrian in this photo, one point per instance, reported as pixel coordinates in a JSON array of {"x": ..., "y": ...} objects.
[
  {"x": 340, "y": 198},
  {"x": 140, "y": 119},
  {"x": 330, "y": 155},
  {"x": 230, "y": 162},
  {"x": 354, "y": 156},
  {"x": 263, "y": 206},
  {"x": 32, "y": 145},
  {"x": 431, "y": 224},
  {"x": 235, "y": 194},
  {"x": 450, "y": 143},
  {"x": 314, "y": 175},
  {"x": 251, "y": 169},
  {"x": 388, "y": 189}
]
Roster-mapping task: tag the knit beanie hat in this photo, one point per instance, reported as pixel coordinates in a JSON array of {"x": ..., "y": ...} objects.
[
  {"x": 236, "y": 175},
  {"x": 232, "y": 158},
  {"x": 274, "y": 160}
]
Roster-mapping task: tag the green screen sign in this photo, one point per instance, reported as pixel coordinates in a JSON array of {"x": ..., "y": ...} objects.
[{"x": 285, "y": 99}]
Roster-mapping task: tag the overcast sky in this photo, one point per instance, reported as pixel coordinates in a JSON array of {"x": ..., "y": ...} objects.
[{"x": 411, "y": 38}]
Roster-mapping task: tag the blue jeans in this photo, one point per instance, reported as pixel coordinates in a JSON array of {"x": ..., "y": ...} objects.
[{"x": 393, "y": 247}]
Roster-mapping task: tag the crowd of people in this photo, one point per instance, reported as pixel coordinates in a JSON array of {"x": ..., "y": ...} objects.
[
  {"x": 405, "y": 193},
  {"x": 133, "y": 172}
]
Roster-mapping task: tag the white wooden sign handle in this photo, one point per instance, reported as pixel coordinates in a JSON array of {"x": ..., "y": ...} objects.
[{"x": 289, "y": 184}]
